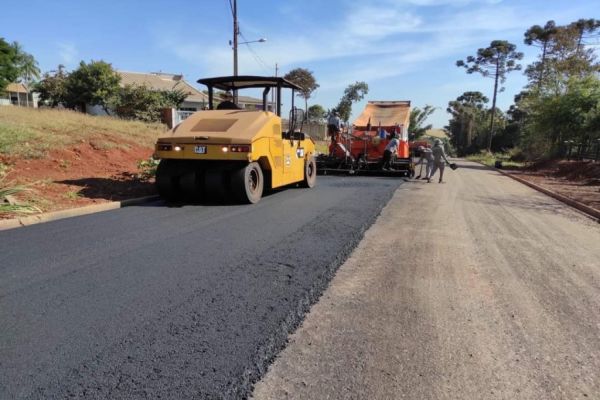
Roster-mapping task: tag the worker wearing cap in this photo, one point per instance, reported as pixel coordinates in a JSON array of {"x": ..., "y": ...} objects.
[
  {"x": 438, "y": 155},
  {"x": 427, "y": 158},
  {"x": 391, "y": 148}
]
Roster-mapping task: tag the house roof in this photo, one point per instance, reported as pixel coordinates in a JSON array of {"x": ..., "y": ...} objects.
[
  {"x": 16, "y": 88},
  {"x": 160, "y": 81}
]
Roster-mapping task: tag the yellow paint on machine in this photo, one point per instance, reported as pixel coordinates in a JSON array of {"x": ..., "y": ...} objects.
[{"x": 210, "y": 136}]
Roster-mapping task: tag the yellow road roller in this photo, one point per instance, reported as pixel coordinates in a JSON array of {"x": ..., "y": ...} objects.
[{"x": 230, "y": 153}]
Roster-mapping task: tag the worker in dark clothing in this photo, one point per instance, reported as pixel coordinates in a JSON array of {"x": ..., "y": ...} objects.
[
  {"x": 334, "y": 125},
  {"x": 227, "y": 105}
]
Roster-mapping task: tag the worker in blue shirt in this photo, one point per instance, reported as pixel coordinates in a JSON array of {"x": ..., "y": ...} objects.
[{"x": 391, "y": 148}]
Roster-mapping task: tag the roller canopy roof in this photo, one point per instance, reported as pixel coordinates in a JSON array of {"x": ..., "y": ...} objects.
[
  {"x": 245, "y": 81},
  {"x": 386, "y": 113}
]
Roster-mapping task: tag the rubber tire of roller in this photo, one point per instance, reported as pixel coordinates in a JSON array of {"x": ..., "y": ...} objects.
[
  {"x": 167, "y": 179},
  {"x": 247, "y": 183},
  {"x": 310, "y": 173},
  {"x": 214, "y": 185},
  {"x": 192, "y": 185}
]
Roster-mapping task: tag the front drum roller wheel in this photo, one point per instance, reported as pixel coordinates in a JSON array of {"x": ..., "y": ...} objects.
[
  {"x": 310, "y": 173},
  {"x": 167, "y": 179},
  {"x": 247, "y": 183}
]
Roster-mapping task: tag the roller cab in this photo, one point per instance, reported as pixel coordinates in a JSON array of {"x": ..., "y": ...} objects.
[{"x": 225, "y": 152}]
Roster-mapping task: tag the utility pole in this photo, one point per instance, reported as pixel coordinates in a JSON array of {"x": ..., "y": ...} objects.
[{"x": 236, "y": 31}]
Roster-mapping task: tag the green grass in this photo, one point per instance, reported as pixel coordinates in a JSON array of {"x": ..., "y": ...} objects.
[
  {"x": 73, "y": 195},
  {"x": 322, "y": 146},
  {"x": 490, "y": 159},
  {"x": 6, "y": 208},
  {"x": 31, "y": 133}
]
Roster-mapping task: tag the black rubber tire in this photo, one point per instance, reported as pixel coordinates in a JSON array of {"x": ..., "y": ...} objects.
[
  {"x": 192, "y": 184},
  {"x": 167, "y": 179},
  {"x": 247, "y": 183},
  {"x": 310, "y": 173},
  {"x": 214, "y": 185}
]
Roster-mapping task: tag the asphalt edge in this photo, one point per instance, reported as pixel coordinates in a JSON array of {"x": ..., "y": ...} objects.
[
  {"x": 587, "y": 210},
  {"x": 72, "y": 212},
  {"x": 272, "y": 348}
]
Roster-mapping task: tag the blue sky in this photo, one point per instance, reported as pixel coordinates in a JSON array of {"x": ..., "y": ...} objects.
[{"x": 404, "y": 49}]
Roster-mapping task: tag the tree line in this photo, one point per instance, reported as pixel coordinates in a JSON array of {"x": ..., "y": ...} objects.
[
  {"x": 91, "y": 84},
  {"x": 97, "y": 84},
  {"x": 560, "y": 103}
]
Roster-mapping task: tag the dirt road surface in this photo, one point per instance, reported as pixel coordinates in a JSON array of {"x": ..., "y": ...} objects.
[{"x": 480, "y": 288}]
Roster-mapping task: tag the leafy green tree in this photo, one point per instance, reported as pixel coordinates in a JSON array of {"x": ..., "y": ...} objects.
[
  {"x": 585, "y": 28},
  {"x": 95, "y": 83},
  {"x": 468, "y": 116},
  {"x": 572, "y": 115},
  {"x": 316, "y": 113},
  {"x": 353, "y": 93},
  {"x": 28, "y": 66},
  {"x": 495, "y": 61},
  {"x": 418, "y": 116},
  {"x": 52, "y": 87},
  {"x": 569, "y": 57},
  {"x": 9, "y": 70},
  {"x": 541, "y": 37},
  {"x": 142, "y": 103},
  {"x": 29, "y": 69},
  {"x": 306, "y": 80}
]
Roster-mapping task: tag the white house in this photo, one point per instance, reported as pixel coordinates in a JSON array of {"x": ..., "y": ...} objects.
[
  {"x": 17, "y": 94},
  {"x": 195, "y": 100}
]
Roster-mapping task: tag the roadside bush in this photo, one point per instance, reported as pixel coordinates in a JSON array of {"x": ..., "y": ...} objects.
[
  {"x": 144, "y": 104},
  {"x": 147, "y": 169},
  {"x": 94, "y": 84}
]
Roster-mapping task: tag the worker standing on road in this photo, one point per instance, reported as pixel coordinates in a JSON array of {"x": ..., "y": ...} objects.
[
  {"x": 438, "y": 155},
  {"x": 334, "y": 126},
  {"x": 391, "y": 148},
  {"x": 427, "y": 158}
]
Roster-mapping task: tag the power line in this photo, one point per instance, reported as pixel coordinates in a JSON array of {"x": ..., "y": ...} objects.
[
  {"x": 257, "y": 57},
  {"x": 230, "y": 6}
]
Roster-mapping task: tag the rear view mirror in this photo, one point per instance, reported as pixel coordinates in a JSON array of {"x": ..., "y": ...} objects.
[{"x": 299, "y": 115}]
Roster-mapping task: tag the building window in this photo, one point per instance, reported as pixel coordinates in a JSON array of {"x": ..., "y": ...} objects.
[{"x": 194, "y": 109}]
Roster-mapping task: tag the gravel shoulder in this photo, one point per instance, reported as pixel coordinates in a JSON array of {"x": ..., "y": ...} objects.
[{"x": 477, "y": 288}]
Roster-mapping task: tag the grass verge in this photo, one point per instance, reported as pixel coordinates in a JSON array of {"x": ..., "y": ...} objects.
[
  {"x": 31, "y": 133},
  {"x": 490, "y": 159}
]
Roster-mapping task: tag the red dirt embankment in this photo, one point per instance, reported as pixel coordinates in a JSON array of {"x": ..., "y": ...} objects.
[
  {"x": 80, "y": 175},
  {"x": 578, "y": 180}
]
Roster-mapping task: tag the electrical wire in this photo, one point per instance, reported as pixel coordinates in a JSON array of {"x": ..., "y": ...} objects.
[
  {"x": 230, "y": 6},
  {"x": 261, "y": 63}
]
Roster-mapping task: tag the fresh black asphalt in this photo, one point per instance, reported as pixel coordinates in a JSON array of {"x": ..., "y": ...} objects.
[{"x": 166, "y": 302}]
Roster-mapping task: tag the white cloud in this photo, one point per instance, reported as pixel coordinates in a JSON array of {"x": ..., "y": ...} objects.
[
  {"x": 449, "y": 2},
  {"x": 370, "y": 22},
  {"x": 67, "y": 53},
  {"x": 365, "y": 43}
]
